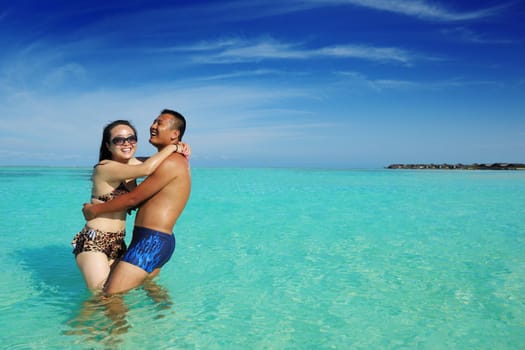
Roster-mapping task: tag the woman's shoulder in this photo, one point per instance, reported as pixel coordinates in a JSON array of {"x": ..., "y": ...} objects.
[{"x": 135, "y": 161}]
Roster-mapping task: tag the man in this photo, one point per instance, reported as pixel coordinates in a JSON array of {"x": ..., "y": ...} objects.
[{"x": 161, "y": 198}]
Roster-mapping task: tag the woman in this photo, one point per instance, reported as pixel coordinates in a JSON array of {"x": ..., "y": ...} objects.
[{"x": 101, "y": 242}]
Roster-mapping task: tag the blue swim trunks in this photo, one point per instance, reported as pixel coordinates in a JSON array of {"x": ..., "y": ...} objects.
[{"x": 149, "y": 249}]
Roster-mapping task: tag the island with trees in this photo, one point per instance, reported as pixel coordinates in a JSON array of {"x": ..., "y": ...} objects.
[{"x": 475, "y": 166}]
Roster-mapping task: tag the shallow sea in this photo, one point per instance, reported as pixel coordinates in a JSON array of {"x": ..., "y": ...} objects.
[{"x": 281, "y": 259}]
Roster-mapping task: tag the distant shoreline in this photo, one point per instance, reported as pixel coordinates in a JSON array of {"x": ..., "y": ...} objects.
[{"x": 475, "y": 166}]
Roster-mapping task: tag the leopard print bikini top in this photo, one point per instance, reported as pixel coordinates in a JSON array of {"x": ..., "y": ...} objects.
[{"x": 120, "y": 190}]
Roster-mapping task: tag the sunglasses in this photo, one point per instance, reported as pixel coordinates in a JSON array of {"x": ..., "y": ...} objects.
[{"x": 119, "y": 140}]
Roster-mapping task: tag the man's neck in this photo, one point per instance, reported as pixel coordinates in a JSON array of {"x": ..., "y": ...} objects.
[{"x": 161, "y": 147}]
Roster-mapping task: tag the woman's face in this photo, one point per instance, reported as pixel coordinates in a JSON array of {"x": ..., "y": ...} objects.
[{"x": 123, "y": 143}]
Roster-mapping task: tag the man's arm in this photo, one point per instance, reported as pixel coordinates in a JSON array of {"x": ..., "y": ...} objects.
[{"x": 166, "y": 172}]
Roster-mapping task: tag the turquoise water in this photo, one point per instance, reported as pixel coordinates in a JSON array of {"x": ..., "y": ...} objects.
[{"x": 281, "y": 259}]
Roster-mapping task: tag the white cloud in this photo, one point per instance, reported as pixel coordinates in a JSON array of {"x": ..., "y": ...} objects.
[
  {"x": 467, "y": 35},
  {"x": 248, "y": 51},
  {"x": 63, "y": 128},
  {"x": 242, "y": 74},
  {"x": 362, "y": 80},
  {"x": 425, "y": 10},
  {"x": 382, "y": 54},
  {"x": 70, "y": 72}
]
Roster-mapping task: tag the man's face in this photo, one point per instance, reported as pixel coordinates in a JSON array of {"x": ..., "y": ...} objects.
[{"x": 161, "y": 132}]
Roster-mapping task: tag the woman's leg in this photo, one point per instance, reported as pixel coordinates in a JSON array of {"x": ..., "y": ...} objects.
[{"x": 95, "y": 269}]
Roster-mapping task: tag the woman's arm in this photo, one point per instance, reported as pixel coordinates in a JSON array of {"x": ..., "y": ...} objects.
[
  {"x": 115, "y": 171},
  {"x": 148, "y": 188}
]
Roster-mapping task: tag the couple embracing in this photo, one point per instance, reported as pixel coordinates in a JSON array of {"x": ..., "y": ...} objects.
[{"x": 101, "y": 254}]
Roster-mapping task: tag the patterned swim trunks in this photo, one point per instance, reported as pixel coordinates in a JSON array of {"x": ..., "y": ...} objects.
[{"x": 149, "y": 249}]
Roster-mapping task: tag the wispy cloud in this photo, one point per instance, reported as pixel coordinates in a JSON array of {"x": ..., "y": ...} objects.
[
  {"x": 467, "y": 35},
  {"x": 63, "y": 74},
  {"x": 3, "y": 15},
  {"x": 208, "y": 45},
  {"x": 381, "y": 54},
  {"x": 421, "y": 9},
  {"x": 220, "y": 115},
  {"x": 235, "y": 51},
  {"x": 412, "y": 85},
  {"x": 241, "y": 74},
  {"x": 424, "y": 9}
]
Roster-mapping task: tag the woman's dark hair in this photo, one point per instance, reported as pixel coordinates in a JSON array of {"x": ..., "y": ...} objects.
[{"x": 106, "y": 138}]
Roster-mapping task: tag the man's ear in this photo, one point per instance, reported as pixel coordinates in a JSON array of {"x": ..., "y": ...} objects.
[{"x": 175, "y": 135}]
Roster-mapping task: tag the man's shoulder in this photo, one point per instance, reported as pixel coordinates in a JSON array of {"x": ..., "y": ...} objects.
[{"x": 175, "y": 162}]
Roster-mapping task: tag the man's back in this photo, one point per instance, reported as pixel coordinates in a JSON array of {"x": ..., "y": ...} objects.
[{"x": 173, "y": 180}]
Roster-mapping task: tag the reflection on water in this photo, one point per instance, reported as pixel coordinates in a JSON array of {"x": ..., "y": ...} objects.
[
  {"x": 91, "y": 321},
  {"x": 98, "y": 322},
  {"x": 104, "y": 320},
  {"x": 159, "y": 295}
]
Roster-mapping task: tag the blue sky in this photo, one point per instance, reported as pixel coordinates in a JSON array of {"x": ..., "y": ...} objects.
[{"x": 338, "y": 84}]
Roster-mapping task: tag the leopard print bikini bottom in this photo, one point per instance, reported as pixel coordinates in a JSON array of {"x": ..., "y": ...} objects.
[{"x": 92, "y": 240}]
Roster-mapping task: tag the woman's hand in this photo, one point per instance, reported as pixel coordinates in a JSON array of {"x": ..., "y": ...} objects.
[{"x": 184, "y": 149}]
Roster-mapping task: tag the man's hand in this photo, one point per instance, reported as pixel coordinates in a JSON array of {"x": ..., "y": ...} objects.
[{"x": 88, "y": 213}]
